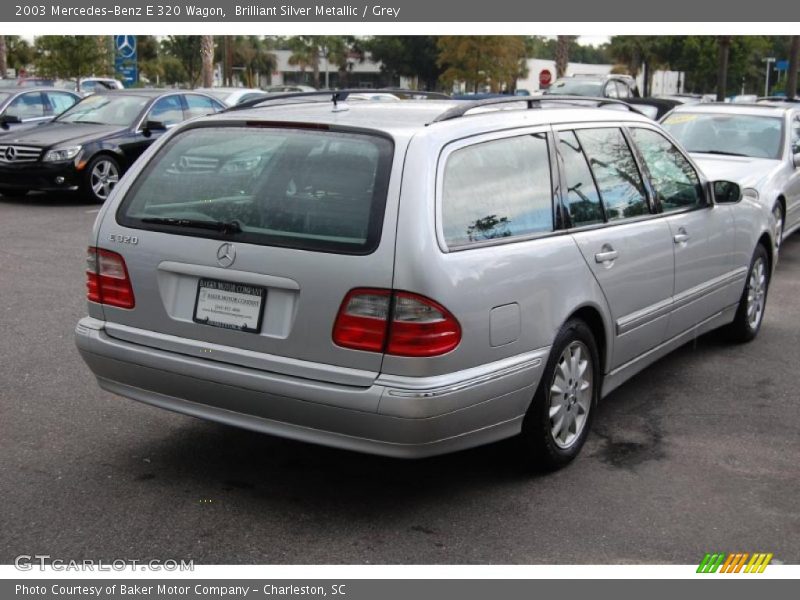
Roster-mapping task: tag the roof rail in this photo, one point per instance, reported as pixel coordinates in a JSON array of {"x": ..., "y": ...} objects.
[
  {"x": 531, "y": 102},
  {"x": 335, "y": 96}
]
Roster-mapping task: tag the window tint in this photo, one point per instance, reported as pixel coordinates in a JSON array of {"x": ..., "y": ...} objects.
[
  {"x": 675, "y": 181},
  {"x": 60, "y": 101},
  {"x": 796, "y": 135},
  {"x": 582, "y": 198},
  {"x": 615, "y": 171},
  {"x": 611, "y": 90},
  {"x": 300, "y": 189},
  {"x": 197, "y": 106},
  {"x": 27, "y": 106},
  {"x": 167, "y": 111},
  {"x": 497, "y": 189},
  {"x": 623, "y": 89}
]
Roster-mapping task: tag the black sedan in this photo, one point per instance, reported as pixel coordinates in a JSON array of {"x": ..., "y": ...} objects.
[
  {"x": 89, "y": 147},
  {"x": 25, "y": 108}
]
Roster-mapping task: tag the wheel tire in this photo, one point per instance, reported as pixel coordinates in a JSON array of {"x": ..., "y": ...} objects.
[
  {"x": 101, "y": 176},
  {"x": 777, "y": 213},
  {"x": 13, "y": 193},
  {"x": 546, "y": 445},
  {"x": 750, "y": 313}
]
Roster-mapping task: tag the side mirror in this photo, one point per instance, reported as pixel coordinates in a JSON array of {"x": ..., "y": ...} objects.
[
  {"x": 153, "y": 126},
  {"x": 7, "y": 120},
  {"x": 726, "y": 192}
]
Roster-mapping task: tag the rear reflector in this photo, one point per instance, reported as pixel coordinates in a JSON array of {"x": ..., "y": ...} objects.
[
  {"x": 107, "y": 280},
  {"x": 418, "y": 325}
]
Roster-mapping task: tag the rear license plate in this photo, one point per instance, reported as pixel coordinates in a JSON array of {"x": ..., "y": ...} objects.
[{"x": 229, "y": 305}]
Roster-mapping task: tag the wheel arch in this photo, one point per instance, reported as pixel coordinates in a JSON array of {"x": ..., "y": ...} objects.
[{"x": 593, "y": 317}]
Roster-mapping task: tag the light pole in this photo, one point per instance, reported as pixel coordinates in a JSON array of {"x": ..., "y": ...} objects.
[{"x": 769, "y": 61}]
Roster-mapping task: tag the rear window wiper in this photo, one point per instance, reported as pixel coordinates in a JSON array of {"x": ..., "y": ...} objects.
[{"x": 221, "y": 226}]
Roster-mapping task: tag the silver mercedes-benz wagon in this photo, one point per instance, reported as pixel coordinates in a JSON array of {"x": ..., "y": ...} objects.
[{"x": 416, "y": 277}]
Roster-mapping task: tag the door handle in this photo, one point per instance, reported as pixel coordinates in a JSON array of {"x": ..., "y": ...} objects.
[
  {"x": 606, "y": 256},
  {"x": 681, "y": 236}
]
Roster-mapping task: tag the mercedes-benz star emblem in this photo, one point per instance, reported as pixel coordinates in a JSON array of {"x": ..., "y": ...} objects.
[
  {"x": 226, "y": 254},
  {"x": 11, "y": 153},
  {"x": 126, "y": 45}
]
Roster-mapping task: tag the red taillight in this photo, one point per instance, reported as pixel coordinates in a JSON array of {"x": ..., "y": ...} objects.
[
  {"x": 362, "y": 319},
  {"x": 107, "y": 280},
  {"x": 418, "y": 326},
  {"x": 421, "y": 327}
]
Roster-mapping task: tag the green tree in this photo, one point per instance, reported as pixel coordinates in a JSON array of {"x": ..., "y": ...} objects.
[
  {"x": 494, "y": 61},
  {"x": 185, "y": 49},
  {"x": 70, "y": 56},
  {"x": 150, "y": 67},
  {"x": 414, "y": 57},
  {"x": 305, "y": 54},
  {"x": 19, "y": 53}
]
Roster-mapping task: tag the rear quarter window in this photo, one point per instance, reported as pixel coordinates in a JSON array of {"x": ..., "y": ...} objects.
[
  {"x": 308, "y": 189},
  {"x": 497, "y": 189}
]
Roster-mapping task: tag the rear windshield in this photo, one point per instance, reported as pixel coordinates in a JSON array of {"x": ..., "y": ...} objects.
[{"x": 298, "y": 188}]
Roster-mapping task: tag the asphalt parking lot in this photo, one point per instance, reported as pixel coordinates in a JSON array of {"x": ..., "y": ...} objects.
[{"x": 699, "y": 453}]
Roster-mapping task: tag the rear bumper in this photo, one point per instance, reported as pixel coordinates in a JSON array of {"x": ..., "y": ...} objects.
[{"x": 415, "y": 417}]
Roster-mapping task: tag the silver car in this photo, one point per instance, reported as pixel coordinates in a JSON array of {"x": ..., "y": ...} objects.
[
  {"x": 755, "y": 145},
  {"x": 413, "y": 278}
]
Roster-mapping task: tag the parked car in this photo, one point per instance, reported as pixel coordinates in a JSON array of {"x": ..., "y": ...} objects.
[
  {"x": 655, "y": 108},
  {"x": 684, "y": 98},
  {"x": 89, "y": 147},
  {"x": 232, "y": 96},
  {"x": 90, "y": 85},
  {"x": 413, "y": 278},
  {"x": 596, "y": 86},
  {"x": 289, "y": 88},
  {"x": 25, "y": 108},
  {"x": 758, "y": 146}
]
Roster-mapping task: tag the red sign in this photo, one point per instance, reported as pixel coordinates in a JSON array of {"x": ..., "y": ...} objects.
[{"x": 545, "y": 78}]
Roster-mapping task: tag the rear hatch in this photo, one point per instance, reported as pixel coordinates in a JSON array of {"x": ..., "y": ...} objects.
[{"x": 241, "y": 243}]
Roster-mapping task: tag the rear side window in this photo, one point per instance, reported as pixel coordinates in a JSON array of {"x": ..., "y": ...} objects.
[
  {"x": 197, "y": 106},
  {"x": 314, "y": 190},
  {"x": 616, "y": 173},
  {"x": 497, "y": 189}
]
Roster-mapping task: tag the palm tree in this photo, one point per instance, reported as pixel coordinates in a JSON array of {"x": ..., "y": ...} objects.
[
  {"x": 207, "y": 54},
  {"x": 562, "y": 54},
  {"x": 305, "y": 53},
  {"x": 3, "y": 57},
  {"x": 794, "y": 63},
  {"x": 724, "y": 46}
]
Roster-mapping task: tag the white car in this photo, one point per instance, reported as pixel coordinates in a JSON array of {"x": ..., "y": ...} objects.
[
  {"x": 757, "y": 146},
  {"x": 232, "y": 96},
  {"x": 90, "y": 85}
]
